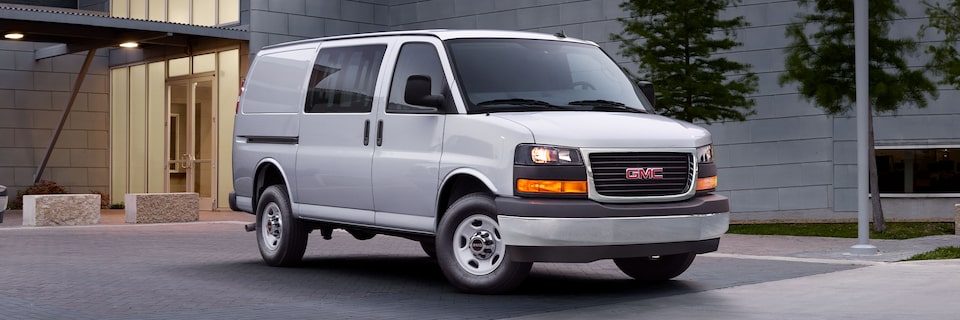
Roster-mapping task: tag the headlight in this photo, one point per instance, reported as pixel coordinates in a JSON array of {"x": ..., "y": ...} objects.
[
  {"x": 705, "y": 154},
  {"x": 707, "y": 177},
  {"x": 533, "y": 154}
]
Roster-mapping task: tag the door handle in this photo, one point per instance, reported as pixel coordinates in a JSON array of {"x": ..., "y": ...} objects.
[
  {"x": 379, "y": 133},
  {"x": 185, "y": 161},
  {"x": 366, "y": 132}
]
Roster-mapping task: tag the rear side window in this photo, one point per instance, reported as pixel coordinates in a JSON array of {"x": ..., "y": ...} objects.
[
  {"x": 343, "y": 79},
  {"x": 276, "y": 81}
]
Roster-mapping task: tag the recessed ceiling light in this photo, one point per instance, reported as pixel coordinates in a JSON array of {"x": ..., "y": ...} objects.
[
  {"x": 129, "y": 45},
  {"x": 13, "y": 36}
]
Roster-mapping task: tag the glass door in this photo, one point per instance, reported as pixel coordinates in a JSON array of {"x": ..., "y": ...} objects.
[{"x": 191, "y": 139}]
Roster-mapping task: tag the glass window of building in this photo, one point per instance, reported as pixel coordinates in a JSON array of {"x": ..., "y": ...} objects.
[
  {"x": 179, "y": 67},
  {"x": 919, "y": 170},
  {"x": 196, "y": 12},
  {"x": 204, "y": 63},
  {"x": 204, "y": 12}
]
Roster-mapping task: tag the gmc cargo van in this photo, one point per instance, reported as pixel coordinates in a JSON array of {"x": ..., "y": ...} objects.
[{"x": 492, "y": 149}]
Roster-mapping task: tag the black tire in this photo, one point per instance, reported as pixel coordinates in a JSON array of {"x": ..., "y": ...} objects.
[
  {"x": 430, "y": 248},
  {"x": 655, "y": 269},
  {"x": 281, "y": 237},
  {"x": 482, "y": 269}
]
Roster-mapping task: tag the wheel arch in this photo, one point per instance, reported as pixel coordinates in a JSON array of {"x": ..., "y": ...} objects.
[
  {"x": 459, "y": 183},
  {"x": 269, "y": 172}
]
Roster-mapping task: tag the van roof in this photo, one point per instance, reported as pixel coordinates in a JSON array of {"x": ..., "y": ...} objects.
[{"x": 442, "y": 34}]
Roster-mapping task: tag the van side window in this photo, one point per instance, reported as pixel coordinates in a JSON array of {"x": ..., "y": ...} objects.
[
  {"x": 343, "y": 79},
  {"x": 416, "y": 58}
]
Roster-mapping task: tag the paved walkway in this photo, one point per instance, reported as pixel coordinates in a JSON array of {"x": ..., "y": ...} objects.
[{"x": 828, "y": 249}]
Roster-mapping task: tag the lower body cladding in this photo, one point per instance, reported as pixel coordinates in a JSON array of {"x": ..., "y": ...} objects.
[{"x": 614, "y": 231}]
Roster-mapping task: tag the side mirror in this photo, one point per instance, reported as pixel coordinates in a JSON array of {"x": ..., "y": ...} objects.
[
  {"x": 417, "y": 92},
  {"x": 647, "y": 88}
]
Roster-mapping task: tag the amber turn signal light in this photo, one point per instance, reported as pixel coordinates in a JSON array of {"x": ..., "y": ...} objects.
[
  {"x": 551, "y": 186},
  {"x": 707, "y": 183}
]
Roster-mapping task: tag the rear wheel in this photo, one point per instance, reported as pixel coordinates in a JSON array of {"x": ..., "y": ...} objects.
[
  {"x": 656, "y": 269},
  {"x": 470, "y": 250},
  {"x": 281, "y": 237}
]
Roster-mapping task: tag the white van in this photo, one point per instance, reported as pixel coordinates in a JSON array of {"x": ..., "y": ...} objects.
[{"x": 493, "y": 149}]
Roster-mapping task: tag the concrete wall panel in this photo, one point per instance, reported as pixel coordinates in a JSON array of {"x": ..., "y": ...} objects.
[
  {"x": 845, "y": 176},
  {"x": 807, "y": 197},
  {"x": 505, "y": 20},
  {"x": 539, "y": 17},
  {"x": 305, "y": 26},
  {"x": 359, "y": 11},
  {"x": 581, "y": 11},
  {"x": 612, "y": 10},
  {"x": 434, "y": 10},
  {"x": 845, "y": 199},
  {"x": 11, "y": 79},
  {"x": 764, "y": 200},
  {"x": 269, "y": 22},
  {"x": 471, "y": 7},
  {"x": 287, "y": 6},
  {"x": 793, "y": 128},
  {"x": 817, "y": 173},
  {"x": 403, "y": 14}
]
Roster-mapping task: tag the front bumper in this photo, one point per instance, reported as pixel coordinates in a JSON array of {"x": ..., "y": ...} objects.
[
  {"x": 554, "y": 232},
  {"x": 583, "y": 230}
]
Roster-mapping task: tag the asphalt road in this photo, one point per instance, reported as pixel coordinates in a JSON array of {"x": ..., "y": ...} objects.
[{"x": 212, "y": 270}]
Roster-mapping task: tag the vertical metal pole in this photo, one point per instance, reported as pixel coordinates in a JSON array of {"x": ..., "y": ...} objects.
[
  {"x": 860, "y": 25},
  {"x": 66, "y": 112}
]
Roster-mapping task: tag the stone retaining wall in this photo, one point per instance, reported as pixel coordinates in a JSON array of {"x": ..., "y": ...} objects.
[
  {"x": 162, "y": 207},
  {"x": 61, "y": 209}
]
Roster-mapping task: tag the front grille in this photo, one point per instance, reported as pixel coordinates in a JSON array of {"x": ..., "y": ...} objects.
[{"x": 610, "y": 173}]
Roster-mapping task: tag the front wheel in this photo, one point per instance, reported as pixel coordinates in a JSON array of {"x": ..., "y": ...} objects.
[
  {"x": 471, "y": 252},
  {"x": 281, "y": 237},
  {"x": 655, "y": 269}
]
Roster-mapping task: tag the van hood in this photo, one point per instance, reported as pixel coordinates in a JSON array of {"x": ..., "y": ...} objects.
[{"x": 609, "y": 129}]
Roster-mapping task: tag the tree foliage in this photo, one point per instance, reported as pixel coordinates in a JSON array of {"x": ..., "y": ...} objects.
[
  {"x": 944, "y": 58},
  {"x": 822, "y": 64},
  {"x": 673, "y": 42}
]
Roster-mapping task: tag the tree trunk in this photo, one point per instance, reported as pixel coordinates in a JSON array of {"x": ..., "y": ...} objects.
[{"x": 879, "y": 223}]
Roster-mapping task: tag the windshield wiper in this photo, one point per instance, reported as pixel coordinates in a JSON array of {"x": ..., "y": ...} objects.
[
  {"x": 521, "y": 102},
  {"x": 607, "y": 105}
]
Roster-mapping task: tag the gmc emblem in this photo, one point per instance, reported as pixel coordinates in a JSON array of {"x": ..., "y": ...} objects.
[{"x": 644, "y": 173}]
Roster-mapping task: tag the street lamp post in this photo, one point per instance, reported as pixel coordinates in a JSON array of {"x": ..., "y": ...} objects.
[{"x": 860, "y": 16}]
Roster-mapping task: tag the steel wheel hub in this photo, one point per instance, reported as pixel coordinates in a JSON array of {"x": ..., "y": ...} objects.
[
  {"x": 271, "y": 226},
  {"x": 482, "y": 245},
  {"x": 477, "y": 245}
]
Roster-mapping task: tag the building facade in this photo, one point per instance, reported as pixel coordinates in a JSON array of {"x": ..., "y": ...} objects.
[{"x": 158, "y": 118}]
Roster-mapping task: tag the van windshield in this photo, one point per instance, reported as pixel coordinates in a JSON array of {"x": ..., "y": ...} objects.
[{"x": 503, "y": 75}]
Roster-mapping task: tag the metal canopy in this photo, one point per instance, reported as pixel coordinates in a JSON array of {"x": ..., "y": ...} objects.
[{"x": 72, "y": 31}]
